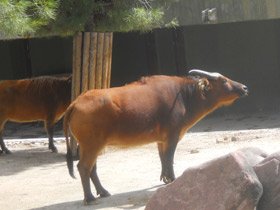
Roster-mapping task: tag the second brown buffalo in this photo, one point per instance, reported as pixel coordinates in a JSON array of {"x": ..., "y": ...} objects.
[
  {"x": 154, "y": 109},
  {"x": 38, "y": 99}
]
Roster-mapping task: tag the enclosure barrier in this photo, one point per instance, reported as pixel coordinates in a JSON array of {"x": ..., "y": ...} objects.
[{"x": 92, "y": 59}]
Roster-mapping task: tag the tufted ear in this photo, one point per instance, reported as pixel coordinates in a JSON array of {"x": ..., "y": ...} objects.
[{"x": 203, "y": 87}]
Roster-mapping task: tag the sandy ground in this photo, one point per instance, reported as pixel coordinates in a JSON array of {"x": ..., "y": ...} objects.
[{"x": 34, "y": 178}]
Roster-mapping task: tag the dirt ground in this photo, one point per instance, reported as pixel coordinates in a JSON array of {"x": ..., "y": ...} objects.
[{"x": 34, "y": 178}]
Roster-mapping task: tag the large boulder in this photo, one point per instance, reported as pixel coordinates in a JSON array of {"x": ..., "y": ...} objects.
[
  {"x": 268, "y": 172},
  {"x": 254, "y": 155},
  {"x": 228, "y": 182}
]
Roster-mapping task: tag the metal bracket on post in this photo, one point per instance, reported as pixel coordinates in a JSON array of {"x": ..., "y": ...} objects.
[{"x": 209, "y": 15}]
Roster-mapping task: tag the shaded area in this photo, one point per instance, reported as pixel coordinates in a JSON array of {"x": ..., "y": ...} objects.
[
  {"x": 238, "y": 122},
  {"x": 127, "y": 200},
  {"x": 14, "y": 130},
  {"x": 25, "y": 159},
  {"x": 211, "y": 122}
]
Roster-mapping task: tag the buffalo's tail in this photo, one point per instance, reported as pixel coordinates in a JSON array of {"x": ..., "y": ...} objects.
[{"x": 69, "y": 156}]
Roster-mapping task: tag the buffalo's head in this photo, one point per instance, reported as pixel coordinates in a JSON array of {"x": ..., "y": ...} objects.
[{"x": 218, "y": 88}]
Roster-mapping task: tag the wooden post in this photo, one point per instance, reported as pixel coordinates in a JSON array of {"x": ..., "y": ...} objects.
[
  {"x": 76, "y": 79},
  {"x": 99, "y": 58},
  {"x": 85, "y": 65},
  {"x": 92, "y": 61},
  {"x": 105, "y": 60},
  {"x": 110, "y": 60}
]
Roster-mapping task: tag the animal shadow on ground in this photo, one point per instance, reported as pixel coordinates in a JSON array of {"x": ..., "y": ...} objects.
[
  {"x": 128, "y": 200},
  {"x": 22, "y": 160},
  {"x": 13, "y": 130}
]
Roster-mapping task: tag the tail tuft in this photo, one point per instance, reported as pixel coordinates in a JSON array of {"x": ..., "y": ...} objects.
[
  {"x": 69, "y": 156},
  {"x": 69, "y": 159}
]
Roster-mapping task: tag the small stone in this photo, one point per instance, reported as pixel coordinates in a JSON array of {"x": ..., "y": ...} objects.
[
  {"x": 218, "y": 141},
  {"x": 234, "y": 138},
  {"x": 193, "y": 151}
]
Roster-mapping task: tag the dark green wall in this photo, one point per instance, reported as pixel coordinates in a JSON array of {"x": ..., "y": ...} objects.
[
  {"x": 248, "y": 52},
  {"x": 47, "y": 56},
  {"x": 12, "y": 60},
  {"x": 51, "y": 56}
]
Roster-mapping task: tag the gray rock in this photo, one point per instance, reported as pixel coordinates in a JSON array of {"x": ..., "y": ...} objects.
[
  {"x": 254, "y": 155},
  {"x": 228, "y": 182},
  {"x": 268, "y": 172}
]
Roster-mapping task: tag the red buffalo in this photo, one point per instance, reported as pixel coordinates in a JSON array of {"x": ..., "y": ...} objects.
[
  {"x": 43, "y": 98},
  {"x": 155, "y": 109}
]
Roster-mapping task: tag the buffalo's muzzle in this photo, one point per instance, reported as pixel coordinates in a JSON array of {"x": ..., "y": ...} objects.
[{"x": 244, "y": 91}]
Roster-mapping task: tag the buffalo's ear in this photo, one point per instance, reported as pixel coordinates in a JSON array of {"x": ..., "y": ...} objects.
[{"x": 203, "y": 87}]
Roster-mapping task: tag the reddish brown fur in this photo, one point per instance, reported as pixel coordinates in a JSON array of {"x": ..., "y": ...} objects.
[
  {"x": 160, "y": 109},
  {"x": 43, "y": 98}
]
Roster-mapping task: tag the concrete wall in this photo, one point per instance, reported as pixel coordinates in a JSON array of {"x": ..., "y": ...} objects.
[{"x": 188, "y": 12}]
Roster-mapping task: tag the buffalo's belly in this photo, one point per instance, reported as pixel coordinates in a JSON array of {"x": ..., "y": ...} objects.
[
  {"x": 25, "y": 119},
  {"x": 26, "y": 116},
  {"x": 134, "y": 139}
]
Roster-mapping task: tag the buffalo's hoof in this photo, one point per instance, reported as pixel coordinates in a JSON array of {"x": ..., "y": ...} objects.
[
  {"x": 91, "y": 201},
  {"x": 105, "y": 194},
  {"x": 1, "y": 152},
  {"x": 54, "y": 149},
  {"x": 7, "y": 152},
  {"x": 166, "y": 180}
]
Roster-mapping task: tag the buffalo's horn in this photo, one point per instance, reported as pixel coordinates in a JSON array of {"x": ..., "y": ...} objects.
[{"x": 209, "y": 75}]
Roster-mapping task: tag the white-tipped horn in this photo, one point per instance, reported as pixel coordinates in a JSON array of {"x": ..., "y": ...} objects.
[{"x": 209, "y": 75}]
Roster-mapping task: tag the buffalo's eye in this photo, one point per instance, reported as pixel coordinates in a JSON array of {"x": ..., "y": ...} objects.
[{"x": 224, "y": 81}]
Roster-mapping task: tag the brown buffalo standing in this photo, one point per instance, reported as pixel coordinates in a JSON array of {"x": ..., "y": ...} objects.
[
  {"x": 43, "y": 98},
  {"x": 155, "y": 109}
]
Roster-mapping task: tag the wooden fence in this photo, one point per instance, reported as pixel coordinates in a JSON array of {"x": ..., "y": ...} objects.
[{"x": 92, "y": 59}]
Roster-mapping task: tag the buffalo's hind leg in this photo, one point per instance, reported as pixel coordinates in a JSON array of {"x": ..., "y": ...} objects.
[
  {"x": 87, "y": 170},
  {"x": 99, "y": 188},
  {"x": 89, "y": 199},
  {"x": 166, "y": 154},
  {"x": 49, "y": 124}
]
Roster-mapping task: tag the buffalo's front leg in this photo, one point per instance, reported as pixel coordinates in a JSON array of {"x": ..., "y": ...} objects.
[
  {"x": 49, "y": 128},
  {"x": 89, "y": 199},
  {"x": 3, "y": 146},
  {"x": 99, "y": 188},
  {"x": 166, "y": 154}
]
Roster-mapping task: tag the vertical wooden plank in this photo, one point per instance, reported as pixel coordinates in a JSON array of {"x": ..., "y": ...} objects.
[
  {"x": 78, "y": 64},
  {"x": 74, "y": 69},
  {"x": 110, "y": 60},
  {"x": 76, "y": 79},
  {"x": 105, "y": 60},
  {"x": 99, "y": 64},
  {"x": 85, "y": 64},
  {"x": 92, "y": 60}
]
